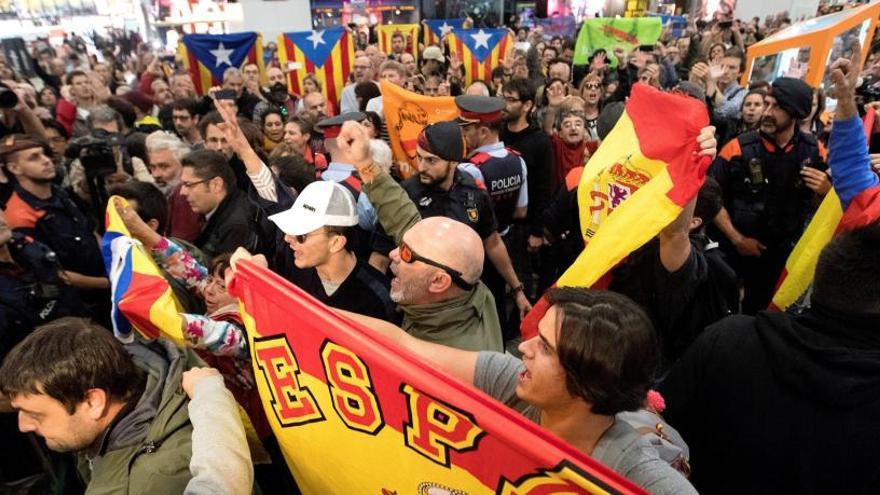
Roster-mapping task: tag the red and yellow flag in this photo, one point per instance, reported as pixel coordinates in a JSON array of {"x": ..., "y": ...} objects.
[
  {"x": 829, "y": 220},
  {"x": 480, "y": 50},
  {"x": 355, "y": 413},
  {"x": 410, "y": 34},
  {"x": 328, "y": 54},
  {"x": 207, "y": 56},
  {"x": 644, "y": 172},
  {"x": 407, "y": 113},
  {"x": 436, "y": 29},
  {"x": 142, "y": 299}
]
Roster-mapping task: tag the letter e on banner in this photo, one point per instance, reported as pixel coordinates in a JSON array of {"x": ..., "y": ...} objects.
[
  {"x": 293, "y": 403},
  {"x": 351, "y": 389},
  {"x": 436, "y": 427}
]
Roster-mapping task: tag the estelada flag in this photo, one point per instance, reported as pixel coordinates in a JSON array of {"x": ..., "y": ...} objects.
[
  {"x": 410, "y": 34},
  {"x": 793, "y": 287},
  {"x": 435, "y": 29},
  {"x": 407, "y": 113},
  {"x": 142, "y": 299},
  {"x": 481, "y": 50},
  {"x": 610, "y": 32},
  {"x": 328, "y": 54},
  {"x": 207, "y": 56},
  {"x": 355, "y": 413},
  {"x": 637, "y": 183}
]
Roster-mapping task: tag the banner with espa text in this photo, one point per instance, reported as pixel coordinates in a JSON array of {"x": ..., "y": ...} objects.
[{"x": 354, "y": 413}]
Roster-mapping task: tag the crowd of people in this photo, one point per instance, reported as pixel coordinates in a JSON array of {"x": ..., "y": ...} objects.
[{"x": 445, "y": 256}]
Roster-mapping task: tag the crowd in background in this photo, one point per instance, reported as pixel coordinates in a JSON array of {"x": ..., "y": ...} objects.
[{"x": 454, "y": 250}]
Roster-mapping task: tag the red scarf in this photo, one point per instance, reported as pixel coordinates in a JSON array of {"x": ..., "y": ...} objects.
[{"x": 567, "y": 157}]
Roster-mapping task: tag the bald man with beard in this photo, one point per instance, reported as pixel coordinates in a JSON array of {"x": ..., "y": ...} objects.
[{"x": 437, "y": 263}]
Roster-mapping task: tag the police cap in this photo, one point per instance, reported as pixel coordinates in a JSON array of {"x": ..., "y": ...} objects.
[
  {"x": 479, "y": 109},
  {"x": 331, "y": 126}
]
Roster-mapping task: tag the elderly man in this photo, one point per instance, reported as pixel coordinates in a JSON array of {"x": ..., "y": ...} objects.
[
  {"x": 363, "y": 72},
  {"x": 244, "y": 100},
  {"x": 165, "y": 151},
  {"x": 315, "y": 106}
]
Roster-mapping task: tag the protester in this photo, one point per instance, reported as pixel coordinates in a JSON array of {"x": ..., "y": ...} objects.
[{"x": 80, "y": 389}]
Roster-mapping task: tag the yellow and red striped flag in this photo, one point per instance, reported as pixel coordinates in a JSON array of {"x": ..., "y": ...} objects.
[
  {"x": 410, "y": 34},
  {"x": 644, "y": 172},
  {"x": 406, "y": 114},
  {"x": 435, "y": 29},
  {"x": 207, "y": 56},
  {"x": 354, "y": 412},
  {"x": 142, "y": 298},
  {"x": 328, "y": 54},
  {"x": 480, "y": 50}
]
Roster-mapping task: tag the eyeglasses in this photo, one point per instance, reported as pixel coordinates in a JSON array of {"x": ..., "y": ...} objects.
[
  {"x": 407, "y": 255},
  {"x": 592, "y": 86},
  {"x": 190, "y": 185},
  {"x": 302, "y": 238}
]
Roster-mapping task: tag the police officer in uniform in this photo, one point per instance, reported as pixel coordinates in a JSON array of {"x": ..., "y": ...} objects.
[
  {"x": 499, "y": 168},
  {"x": 503, "y": 172},
  {"x": 772, "y": 181}
]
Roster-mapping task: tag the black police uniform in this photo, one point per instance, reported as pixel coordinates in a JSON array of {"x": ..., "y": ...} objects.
[
  {"x": 31, "y": 292},
  {"x": 464, "y": 201},
  {"x": 767, "y": 200}
]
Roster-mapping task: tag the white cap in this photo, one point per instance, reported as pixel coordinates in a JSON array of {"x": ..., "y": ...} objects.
[
  {"x": 432, "y": 52},
  {"x": 321, "y": 203}
]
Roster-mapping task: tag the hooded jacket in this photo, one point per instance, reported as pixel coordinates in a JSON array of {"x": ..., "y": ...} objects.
[
  {"x": 781, "y": 404},
  {"x": 148, "y": 447}
]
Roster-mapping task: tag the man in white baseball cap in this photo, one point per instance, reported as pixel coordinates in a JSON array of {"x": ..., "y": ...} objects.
[{"x": 318, "y": 228}]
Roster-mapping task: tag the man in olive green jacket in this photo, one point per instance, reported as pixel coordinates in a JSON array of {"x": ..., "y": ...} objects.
[{"x": 120, "y": 408}]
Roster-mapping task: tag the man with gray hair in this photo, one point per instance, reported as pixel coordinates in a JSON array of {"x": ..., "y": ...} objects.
[
  {"x": 165, "y": 151},
  {"x": 245, "y": 101}
]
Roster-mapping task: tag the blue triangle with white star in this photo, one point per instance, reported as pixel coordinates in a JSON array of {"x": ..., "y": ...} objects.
[
  {"x": 440, "y": 26},
  {"x": 482, "y": 41},
  {"x": 317, "y": 45},
  {"x": 218, "y": 52}
]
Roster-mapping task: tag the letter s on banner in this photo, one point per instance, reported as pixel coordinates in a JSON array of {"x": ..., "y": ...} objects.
[{"x": 351, "y": 389}]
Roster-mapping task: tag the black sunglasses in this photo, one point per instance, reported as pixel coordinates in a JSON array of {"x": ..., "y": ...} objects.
[{"x": 407, "y": 255}]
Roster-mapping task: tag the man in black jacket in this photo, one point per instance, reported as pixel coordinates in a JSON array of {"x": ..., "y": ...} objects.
[
  {"x": 776, "y": 403},
  {"x": 208, "y": 184}
]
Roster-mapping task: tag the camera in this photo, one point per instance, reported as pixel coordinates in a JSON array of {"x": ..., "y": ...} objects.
[
  {"x": 8, "y": 98},
  {"x": 95, "y": 152}
]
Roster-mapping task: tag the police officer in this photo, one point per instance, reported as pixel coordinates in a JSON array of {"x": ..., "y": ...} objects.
[
  {"x": 442, "y": 188},
  {"x": 42, "y": 210},
  {"x": 499, "y": 168},
  {"x": 772, "y": 180},
  {"x": 31, "y": 291}
]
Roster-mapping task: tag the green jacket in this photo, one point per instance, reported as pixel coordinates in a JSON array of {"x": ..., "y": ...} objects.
[
  {"x": 468, "y": 322},
  {"x": 148, "y": 447}
]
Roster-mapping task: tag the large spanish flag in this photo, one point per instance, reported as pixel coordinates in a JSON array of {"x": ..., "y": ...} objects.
[
  {"x": 407, "y": 113},
  {"x": 481, "y": 50},
  {"x": 435, "y": 29},
  {"x": 355, "y": 413},
  {"x": 410, "y": 33},
  {"x": 610, "y": 32},
  {"x": 636, "y": 183},
  {"x": 142, "y": 299},
  {"x": 207, "y": 56},
  {"x": 328, "y": 54},
  {"x": 793, "y": 288}
]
